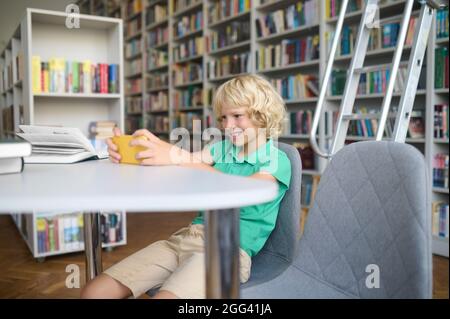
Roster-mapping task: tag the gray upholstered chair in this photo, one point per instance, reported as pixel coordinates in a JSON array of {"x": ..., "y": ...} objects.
[
  {"x": 280, "y": 249},
  {"x": 371, "y": 208}
]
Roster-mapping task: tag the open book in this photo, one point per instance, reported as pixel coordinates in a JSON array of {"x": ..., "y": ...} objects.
[{"x": 59, "y": 145}]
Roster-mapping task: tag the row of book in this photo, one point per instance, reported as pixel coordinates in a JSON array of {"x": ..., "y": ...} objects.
[
  {"x": 288, "y": 52},
  {"x": 157, "y": 36},
  {"x": 133, "y": 27},
  {"x": 133, "y": 105},
  {"x": 157, "y": 102},
  {"x": 134, "y": 7},
  {"x": 308, "y": 189},
  {"x": 333, "y": 7},
  {"x": 186, "y": 119},
  {"x": 440, "y": 170},
  {"x": 62, "y": 76},
  {"x": 157, "y": 58},
  {"x": 158, "y": 123},
  {"x": 59, "y": 233},
  {"x": 441, "y": 129},
  {"x": 302, "y": 13},
  {"x": 156, "y": 13},
  {"x": 442, "y": 23},
  {"x": 373, "y": 82},
  {"x": 222, "y": 9},
  {"x": 440, "y": 219},
  {"x": 384, "y": 37},
  {"x": 183, "y": 74},
  {"x": 296, "y": 87},
  {"x": 190, "y": 97},
  {"x": 441, "y": 67},
  {"x": 134, "y": 123},
  {"x": 191, "y": 48},
  {"x": 228, "y": 65},
  {"x": 134, "y": 67},
  {"x": 133, "y": 48},
  {"x": 306, "y": 155},
  {"x": 300, "y": 122},
  {"x": 158, "y": 80},
  {"x": 100, "y": 130},
  {"x": 7, "y": 75},
  {"x": 133, "y": 86},
  {"x": 188, "y": 24},
  {"x": 233, "y": 33}
]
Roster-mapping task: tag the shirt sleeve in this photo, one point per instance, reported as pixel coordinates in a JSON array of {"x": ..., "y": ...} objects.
[{"x": 279, "y": 166}]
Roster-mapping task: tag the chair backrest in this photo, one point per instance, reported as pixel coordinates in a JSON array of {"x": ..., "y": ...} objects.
[
  {"x": 281, "y": 246},
  {"x": 371, "y": 223}
]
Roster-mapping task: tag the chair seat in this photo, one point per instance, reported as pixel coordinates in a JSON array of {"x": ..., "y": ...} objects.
[{"x": 294, "y": 284}]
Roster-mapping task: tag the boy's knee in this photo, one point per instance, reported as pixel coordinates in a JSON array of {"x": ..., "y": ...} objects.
[{"x": 90, "y": 291}]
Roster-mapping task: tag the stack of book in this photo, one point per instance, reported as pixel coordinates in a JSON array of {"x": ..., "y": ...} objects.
[
  {"x": 12, "y": 152},
  {"x": 300, "y": 122},
  {"x": 442, "y": 23},
  {"x": 441, "y": 129},
  {"x": 440, "y": 219},
  {"x": 101, "y": 130},
  {"x": 233, "y": 33},
  {"x": 440, "y": 170},
  {"x": 156, "y": 13},
  {"x": 333, "y": 7},
  {"x": 191, "y": 97},
  {"x": 157, "y": 102},
  {"x": 188, "y": 24},
  {"x": 190, "y": 48},
  {"x": 219, "y": 10},
  {"x": 183, "y": 74},
  {"x": 296, "y": 87},
  {"x": 156, "y": 59},
  {"x": 229, "y": 65},
  {"x": 157, "y": 80},
  {"x": 306, "y": 155},
  {"x": 441, "y": 68},
  {"x": 158, "y": 36}
]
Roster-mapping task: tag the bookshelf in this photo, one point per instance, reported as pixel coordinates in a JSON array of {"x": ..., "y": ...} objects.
[
  {"x": 322, "y": 27},
  {"x": 43, "y": 34}
]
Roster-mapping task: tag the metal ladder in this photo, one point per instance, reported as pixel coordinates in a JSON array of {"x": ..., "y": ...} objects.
[{"x": 368, "y": 21}]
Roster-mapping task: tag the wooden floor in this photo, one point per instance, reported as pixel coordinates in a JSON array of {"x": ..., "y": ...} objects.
[{"x": 22, "y": 277}]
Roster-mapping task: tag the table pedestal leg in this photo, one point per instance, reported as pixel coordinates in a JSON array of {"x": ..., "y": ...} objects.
[
  {"x": 222, "y": 253},
  {"x": 92, "y": 245}
]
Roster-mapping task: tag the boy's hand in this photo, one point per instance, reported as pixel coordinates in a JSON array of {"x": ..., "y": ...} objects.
[
  {"x": 114, "y": 156},
  {"x": 158, "y": 152}
]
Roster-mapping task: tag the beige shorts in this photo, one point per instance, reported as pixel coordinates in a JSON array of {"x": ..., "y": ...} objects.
[{"x": 176, "y": 265}]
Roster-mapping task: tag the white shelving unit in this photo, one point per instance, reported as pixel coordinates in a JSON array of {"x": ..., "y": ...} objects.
[{"x": 44, "y": 33}]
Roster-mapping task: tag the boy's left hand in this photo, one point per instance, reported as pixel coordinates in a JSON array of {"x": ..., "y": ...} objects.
[{"x": 158, "y": 152}]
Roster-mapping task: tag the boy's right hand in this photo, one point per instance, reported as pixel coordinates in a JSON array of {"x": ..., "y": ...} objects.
[{"x": 114, "y": 156}]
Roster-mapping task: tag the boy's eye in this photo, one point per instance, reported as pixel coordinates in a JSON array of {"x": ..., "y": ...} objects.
[{"x": 238, "y": 115}]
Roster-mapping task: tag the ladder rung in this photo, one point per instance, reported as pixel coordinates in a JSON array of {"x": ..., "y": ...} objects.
[
  {"x": 366, "y": 116},
  {"x": 377, "y": 67}
]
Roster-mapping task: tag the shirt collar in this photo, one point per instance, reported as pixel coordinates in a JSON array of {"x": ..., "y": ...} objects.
[{"x": 261, "y": 155}]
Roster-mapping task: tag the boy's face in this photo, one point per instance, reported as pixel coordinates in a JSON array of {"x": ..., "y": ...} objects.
[{"x": 238, "y": 126}]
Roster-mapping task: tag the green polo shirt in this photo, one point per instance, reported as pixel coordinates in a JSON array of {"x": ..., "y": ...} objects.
[{"x": 256, "y": 221}]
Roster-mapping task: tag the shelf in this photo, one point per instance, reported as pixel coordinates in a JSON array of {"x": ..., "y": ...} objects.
[
  {"x": 442, "y": 40},
  {"x": 133, "y": 76},
  {"x": 440, "y": 190},
  {"x": 162, "y": 88},
  {"x": 159, "y": 46},
  {"x": 192, "y": 7},
  {"x": 294, "y": 136},
  {"x": 228, "y": 19},
  {"x": 287, "y": 33},
  {"x": 310, "y": 172},
  {"x": 300, "y": 101},
  {"x": 156, "y": 24},
  {"x": 189, "y": 59},
  {"x": 290, "y": 67},
  {"x": 371, "y": 53},
  {"x": 441, "y": 91},
  {"x": 79, "y": 95},
  {"x": 226, "y": 77},
  {"x": 183, "y": 85},
  {"x": 273, "y": 5},
  {"x": 355, "y": 15},
  {"x": 190, "y": 109},
  {"x": 440, "y": 140},
  {"x": 231, "y": 47},
  {"x": 133, "y": 94},
  {"x": 157, "y": 111},
  {"x": 81, "y": 249},
  {"x": 134, "y": 57},
  {"x": 188, "y": 35},
  {"x": 134, "y": 36},
  {"x": 158, "y": 68},
  {"x": 373, "y": 95}
]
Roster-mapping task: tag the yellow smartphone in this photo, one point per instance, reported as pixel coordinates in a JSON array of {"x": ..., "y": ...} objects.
[{"x": 127, "y": 152}]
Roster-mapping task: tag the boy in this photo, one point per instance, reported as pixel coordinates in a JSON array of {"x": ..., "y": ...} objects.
[{"x": 251, "y": 112}]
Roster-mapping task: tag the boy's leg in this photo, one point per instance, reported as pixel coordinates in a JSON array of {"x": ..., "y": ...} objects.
[
  {"x": 164, "y": 294},
  {"x": 104, "y": 286}
]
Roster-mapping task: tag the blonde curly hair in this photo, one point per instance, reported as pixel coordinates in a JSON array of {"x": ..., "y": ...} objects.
[{"x": 266, "y": 108}]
